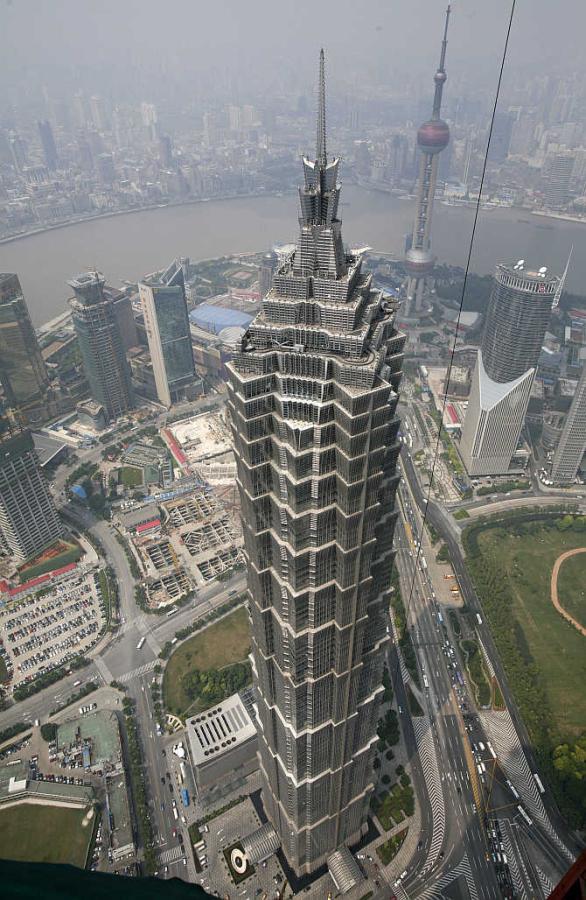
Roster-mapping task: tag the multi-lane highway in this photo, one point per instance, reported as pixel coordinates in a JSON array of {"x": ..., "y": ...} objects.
[{"x": 546, "y": 837}]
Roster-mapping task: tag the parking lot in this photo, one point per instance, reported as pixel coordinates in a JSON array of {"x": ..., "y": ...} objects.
[{"x": 46, "y": 629}]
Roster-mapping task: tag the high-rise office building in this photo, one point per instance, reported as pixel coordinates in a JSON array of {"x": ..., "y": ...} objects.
[
  {"x": 266, "y": 271},
  {"x": 557, "y": 180},
  {"x": 432, "y": 137},
  {"x": 23, "y": 373},
  {"x": 312, "y": 395},
  {"x": 517, "y": 318},
  {"x": 100, "y": 344},
  {"x": 168, "y": 333},
  {"x": 572, "y": 443},
  {"x": 48, "y": 144},
  {"x": 28, "y": 518}
]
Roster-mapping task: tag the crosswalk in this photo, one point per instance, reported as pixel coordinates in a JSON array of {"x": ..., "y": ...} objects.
[
  {"x": 136, "y": 673},
  {"x": 431, "y": 775},
  {"x": 503, "y": 735},
  {"x": 103, "y": 669},
  {"x": 170, "y": 855},
  {"x": 512, "y": 860},
  {"x": 545, "y": 882},
  {"x": 435, "y": 892}
]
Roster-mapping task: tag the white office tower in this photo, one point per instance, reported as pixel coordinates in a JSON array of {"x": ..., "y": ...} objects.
[
  {"x": 28, "y": 518},
  {"x": 572, "y": 443},
  {"x": 518, "y": 315},
  {"x": 312, "y": 398}
]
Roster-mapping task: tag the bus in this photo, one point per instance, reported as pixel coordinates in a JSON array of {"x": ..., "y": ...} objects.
[
  {"x": 513, "y": 789},
  {"x": 539, "y": 783},
  {"x": 459, "y": 677},
  {"x": 440, "y": 618},
  {"x": 525, "y": 816},
  {"x": 140, "y": 644}
]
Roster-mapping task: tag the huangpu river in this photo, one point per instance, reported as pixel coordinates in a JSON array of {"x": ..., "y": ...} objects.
[{"x": 126, "y": 247}]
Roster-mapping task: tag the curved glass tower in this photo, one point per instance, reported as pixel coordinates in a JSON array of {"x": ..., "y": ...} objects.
[
  {"x": 516, "y": 321},
  {"x": 312, "y": 397}
]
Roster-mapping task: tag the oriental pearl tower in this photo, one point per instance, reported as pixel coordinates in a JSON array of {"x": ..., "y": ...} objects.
[{"x": 432, "y": 137}]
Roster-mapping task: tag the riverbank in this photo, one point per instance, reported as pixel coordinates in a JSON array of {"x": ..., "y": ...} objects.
[{"x": 125, "y": 245}]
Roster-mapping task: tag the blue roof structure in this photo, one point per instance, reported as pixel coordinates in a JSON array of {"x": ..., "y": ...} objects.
[
  {"x": 79, "y": 491},
  {"x": 215, "y": 318}
]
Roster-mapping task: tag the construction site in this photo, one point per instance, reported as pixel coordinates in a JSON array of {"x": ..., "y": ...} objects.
[
  {"x": 185, "y": 541},
  {"x": 202, "y": 445}
]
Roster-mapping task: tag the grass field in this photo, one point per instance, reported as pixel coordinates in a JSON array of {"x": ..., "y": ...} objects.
[
  {"x": 551, "y": 643},
  {"x": 129, "y": 476},
  {"x": 59, "y": 554},
  {"x": 572, "y": 587},
  {"x": 49, "y": 834},
  {"x": 225, "y": 642}
]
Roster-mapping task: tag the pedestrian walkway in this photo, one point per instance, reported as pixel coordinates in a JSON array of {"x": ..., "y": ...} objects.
[
  {"x": 554, "y": 588},
  {"x": 136, "y": 673},
  {"x": 512, "y": 861},
  {"x": 103, "y": 669},
  {"x": 503, "y": 734},
  {"x": 431, "y": 774},
  {"x": 171, "y": 855}
]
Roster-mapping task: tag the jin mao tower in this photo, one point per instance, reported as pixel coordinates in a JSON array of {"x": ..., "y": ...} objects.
[{"x": 312, "y": 397}]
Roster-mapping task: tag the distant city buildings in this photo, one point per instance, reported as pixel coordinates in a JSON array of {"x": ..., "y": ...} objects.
[
  {"x": 167, "y": 329},
  {"x": 265, "y": 272},
  {"x": 100, "y": 344},
  {"x": 48, "y": 144},
  {"x": 517, "y": 318},
  {"x": 557, "y": 180},
  {"x": 23, "y": 373},
  {"x": 28, "y": 517}
]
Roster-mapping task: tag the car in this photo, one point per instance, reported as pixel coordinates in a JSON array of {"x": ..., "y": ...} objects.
[
  {"x": 170, "y": 788},
  {"x": 184, "y": 861},
  {"x": 162, "y": 780}
]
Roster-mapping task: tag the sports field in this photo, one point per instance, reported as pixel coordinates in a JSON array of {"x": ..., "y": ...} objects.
[
  {"x": 547, "y": 641},
  {"x": 30, "y": 832},
  {"x": 223, "y": 643}
]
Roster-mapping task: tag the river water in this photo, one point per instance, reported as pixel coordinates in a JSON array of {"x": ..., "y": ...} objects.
[{"x": 129, "y": 246}]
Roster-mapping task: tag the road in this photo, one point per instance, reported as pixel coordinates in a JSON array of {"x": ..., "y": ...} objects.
[
  {"x": 447, "y": 530},
  {"x": 455, "y": 844}
]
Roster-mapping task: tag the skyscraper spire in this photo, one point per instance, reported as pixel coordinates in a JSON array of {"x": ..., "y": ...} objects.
[
  {"x": 320, "y": 153},
  {"x": 440, "y": 76}
]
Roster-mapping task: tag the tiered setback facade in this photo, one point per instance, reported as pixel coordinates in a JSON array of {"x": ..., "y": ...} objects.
[{"x": 312, "y": 398}]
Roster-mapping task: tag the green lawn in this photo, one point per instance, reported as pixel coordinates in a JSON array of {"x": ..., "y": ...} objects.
[
  {"x": 224, "y": 643},
  {"x": 572, "y": 586},
  {"x": 547, "y": 640},
  {"x": 387, "y": 851},
  {"x": 391, "y": 808},
  {"x": 49, "y": 834},
  {"x": 48, "y": 560},
  {"x": 129, "y": 476}
]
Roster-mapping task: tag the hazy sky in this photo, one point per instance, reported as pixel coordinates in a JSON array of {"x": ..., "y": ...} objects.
[{"x": 60, "y": 39}]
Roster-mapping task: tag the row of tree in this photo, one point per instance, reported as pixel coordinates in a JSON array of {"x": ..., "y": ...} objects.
[{"x": 565, "y": 765}]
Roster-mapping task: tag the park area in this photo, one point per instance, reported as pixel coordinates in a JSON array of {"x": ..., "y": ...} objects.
[
  {"x": 211, "y": 662},
  {"x": 511, "y": 559},
  {"x": 30, "y": 832}
]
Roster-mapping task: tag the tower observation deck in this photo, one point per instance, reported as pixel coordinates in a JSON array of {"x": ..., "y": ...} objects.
[
  {"x": 433, "y": 137},
  {"x": 312, "y": 395}
]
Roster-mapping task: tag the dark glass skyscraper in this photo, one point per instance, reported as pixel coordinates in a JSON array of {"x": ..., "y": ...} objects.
[
  {"x": 23, "y": 373},
  {"x": 168, "y": 333},
  {"x": 312, "y": 399},
  {"x": 28, "y": 518},
  {"x": 100, "y": 344}
]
